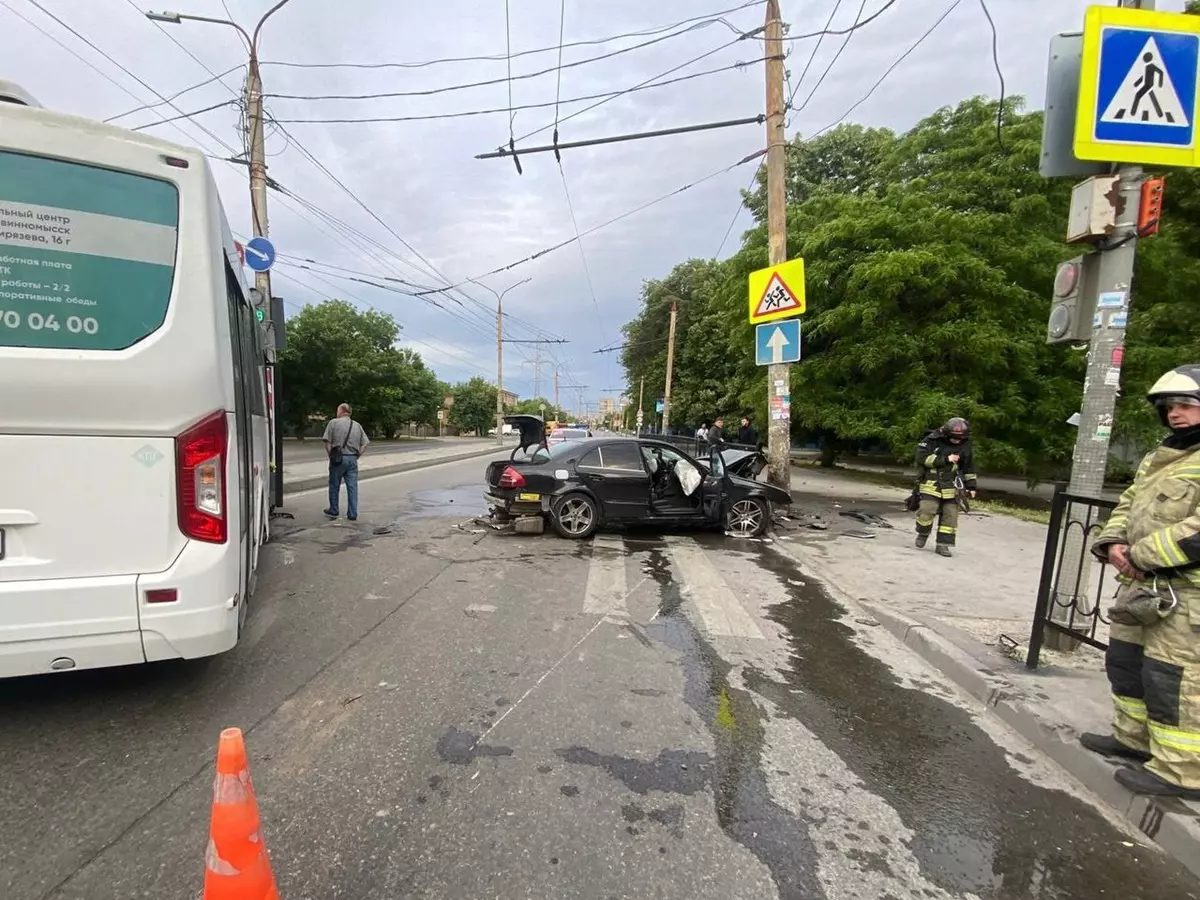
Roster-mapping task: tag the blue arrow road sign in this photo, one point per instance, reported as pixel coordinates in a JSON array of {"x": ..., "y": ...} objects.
[
  {"x": 260, "y": 254},
  {"x": 777, "y": 342},
  {"x": 1146, "y": 92}
]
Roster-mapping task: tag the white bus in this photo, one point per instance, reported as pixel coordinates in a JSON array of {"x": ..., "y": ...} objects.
[{"x": 133, "y": 424}]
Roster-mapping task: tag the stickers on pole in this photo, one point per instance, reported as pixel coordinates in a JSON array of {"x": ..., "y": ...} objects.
[{"x": 777, "y": 292}]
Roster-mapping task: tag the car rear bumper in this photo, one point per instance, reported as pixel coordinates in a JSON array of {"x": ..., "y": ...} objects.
[{"x": 517, "y": 503}]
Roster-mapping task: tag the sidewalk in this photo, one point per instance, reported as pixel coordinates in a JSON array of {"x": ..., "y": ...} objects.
[
  {"x": 309, "y": 474},
  {"x": 952, "y": 612}
]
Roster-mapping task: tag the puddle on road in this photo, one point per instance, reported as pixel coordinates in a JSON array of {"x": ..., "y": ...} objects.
[
  {"x": 978, "y": 825},
  {"x": 466, "y": 501}
]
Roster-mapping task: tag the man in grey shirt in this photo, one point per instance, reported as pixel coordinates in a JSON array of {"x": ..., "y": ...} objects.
[{"x": 345, "y": 443}]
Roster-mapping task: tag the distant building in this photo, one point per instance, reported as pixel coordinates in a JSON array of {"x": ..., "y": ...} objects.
[{"x": 508, "y": 398}]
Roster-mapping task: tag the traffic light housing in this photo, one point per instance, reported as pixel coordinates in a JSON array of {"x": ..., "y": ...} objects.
[{"x": 1074, "y": 302}]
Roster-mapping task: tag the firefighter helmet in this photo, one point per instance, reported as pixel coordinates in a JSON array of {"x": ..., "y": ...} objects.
[
  {"x": 957, "y": 428},
  {"x": 1179, "y": 386}
]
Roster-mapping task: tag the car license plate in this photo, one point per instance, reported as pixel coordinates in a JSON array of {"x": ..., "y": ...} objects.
[{"x": 531, "y": 497}]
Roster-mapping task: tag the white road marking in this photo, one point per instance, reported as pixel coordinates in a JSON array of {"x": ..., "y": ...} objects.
[
  {"x": 700, "y": 581},
  {"x": 606, "y": 587}
]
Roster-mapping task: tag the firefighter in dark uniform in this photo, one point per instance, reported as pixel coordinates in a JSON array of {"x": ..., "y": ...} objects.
[{"x": 946, "y": 466}]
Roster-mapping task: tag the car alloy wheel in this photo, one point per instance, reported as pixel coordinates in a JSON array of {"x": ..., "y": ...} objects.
[
  {"x": 575, "y": 516},
  {"x": 747, "y": 518}
]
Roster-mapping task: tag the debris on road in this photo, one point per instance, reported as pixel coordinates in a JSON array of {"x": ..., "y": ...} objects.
[
  {"x": 862, "y": 535},
  {"x": 867, "y": 518},
  {"x": 346, "y": 701},
  {"x": 529, "y": 525},
  {"x": 463, "y": 526}
]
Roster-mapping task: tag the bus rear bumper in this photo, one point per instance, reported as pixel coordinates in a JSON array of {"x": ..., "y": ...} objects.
[
  {"x": 70, "y": 624},
  {"x": 203, "y": 621}
]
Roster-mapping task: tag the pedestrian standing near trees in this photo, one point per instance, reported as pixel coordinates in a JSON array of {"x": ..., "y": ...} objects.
[
  {"x": 946, "y": 465},
  {"x": 345, "y": 443}
]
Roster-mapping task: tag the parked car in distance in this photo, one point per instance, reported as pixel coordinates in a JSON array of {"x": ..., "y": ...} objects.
[
  {"x": 558, "y": 435},
  {"x": 581, "y": 485}
]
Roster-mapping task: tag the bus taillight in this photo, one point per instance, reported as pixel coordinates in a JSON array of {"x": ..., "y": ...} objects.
[{"x": 200, "y": 455}]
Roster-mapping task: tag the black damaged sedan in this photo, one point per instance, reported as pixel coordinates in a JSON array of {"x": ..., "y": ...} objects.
[{"x": 580, "y": 486}]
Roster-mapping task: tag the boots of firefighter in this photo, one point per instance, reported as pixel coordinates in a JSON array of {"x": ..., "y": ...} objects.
[
  {"x": 944, "y": 550},
  {"x": 1171, "y": 680},
  {"x": 1143, "y": 781},
  {"x": 926, "y": 515},
  {"x": 1107, "y": 745}
]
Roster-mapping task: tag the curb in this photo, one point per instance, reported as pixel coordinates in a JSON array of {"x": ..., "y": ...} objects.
[
  {"x": 316, "y": 481},
  {"x": 1171, "y": 824}
]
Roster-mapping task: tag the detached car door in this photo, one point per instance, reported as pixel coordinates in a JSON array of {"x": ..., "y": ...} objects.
[
  {"x": 715, "y": 499},
  {"x": 615, "y": 474}
]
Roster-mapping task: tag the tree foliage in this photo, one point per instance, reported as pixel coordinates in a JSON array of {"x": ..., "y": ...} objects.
[
  {"x": 474, "y": 406},
  {"x": 930, "y": 258},
  {"x": 336, "y": 354}
]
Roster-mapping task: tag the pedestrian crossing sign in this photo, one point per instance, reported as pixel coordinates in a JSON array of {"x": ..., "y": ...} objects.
[
  {"x": 777, "y": 292},
  {"x": 1138, "y": 88}
]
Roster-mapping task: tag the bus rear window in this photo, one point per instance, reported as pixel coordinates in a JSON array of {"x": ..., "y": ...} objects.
[{"x": 87, "y": 255}]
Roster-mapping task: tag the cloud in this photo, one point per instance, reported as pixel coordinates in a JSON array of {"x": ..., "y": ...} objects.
[{"x": 468, "y": 216}]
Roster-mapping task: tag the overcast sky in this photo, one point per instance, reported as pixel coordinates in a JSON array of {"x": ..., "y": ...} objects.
[{"x": 469, "y": 216}]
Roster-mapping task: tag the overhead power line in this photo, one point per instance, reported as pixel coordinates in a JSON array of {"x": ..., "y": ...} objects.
[
  {"x": 114, "y": 62},
  {"x": 491, "y": 82},
  {"x": 625, "y": 215},
  {"x": 836, "y": 32},
  {"x": 640, "y": 85},
  {"x": 890, "y": 69},
  {"x": 187, "y": 115},
  {"x": 713, "y": 17},
  {"x": 496, "y": 110},
  {"x": 217, "y": 76}
]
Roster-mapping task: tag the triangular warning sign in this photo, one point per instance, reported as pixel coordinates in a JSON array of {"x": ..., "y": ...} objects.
[
  {"x": 1147, "y": 95},
  {"x": 777, "y": 297}
]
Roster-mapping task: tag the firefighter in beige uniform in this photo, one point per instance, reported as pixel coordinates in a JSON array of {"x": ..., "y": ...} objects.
[{"x": 1153, "y": 539}]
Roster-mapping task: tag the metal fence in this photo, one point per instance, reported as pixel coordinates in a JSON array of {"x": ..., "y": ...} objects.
[{"x": 1077, "y": 589}]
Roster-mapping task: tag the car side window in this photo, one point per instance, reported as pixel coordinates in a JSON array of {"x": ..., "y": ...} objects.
[
  {"x": 590, "y": 461},
  {"x": 621, "y": 457}
]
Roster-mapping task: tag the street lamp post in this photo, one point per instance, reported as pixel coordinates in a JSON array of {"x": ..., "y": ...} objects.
[
  {"x": 257, "y": 161},
  {"x": 500, "y": 352}
]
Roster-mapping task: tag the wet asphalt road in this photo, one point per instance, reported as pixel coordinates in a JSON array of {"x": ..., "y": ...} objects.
[{"x": 436, "y": 713}]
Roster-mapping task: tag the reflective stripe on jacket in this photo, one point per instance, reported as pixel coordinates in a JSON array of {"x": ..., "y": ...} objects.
[
  {"x": 1158, "y": 516},
  {"x": 937, "y": 473}
]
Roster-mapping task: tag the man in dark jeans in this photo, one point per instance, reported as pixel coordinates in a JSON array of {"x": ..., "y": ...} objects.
[{"x": 346, "y": 439}]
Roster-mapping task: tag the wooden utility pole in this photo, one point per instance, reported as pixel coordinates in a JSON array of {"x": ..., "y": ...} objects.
[
  {"x": 778, "y": 429},
  {"x": 666, "y": 418}
]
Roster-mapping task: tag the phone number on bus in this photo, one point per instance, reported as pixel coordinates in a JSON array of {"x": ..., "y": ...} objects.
[{"x": 38, "y": 322}]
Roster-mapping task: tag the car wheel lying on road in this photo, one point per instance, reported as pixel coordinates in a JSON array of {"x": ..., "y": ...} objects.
[
  {"x": 575, "y": 516},
  {"x": 747, "y": 518}
]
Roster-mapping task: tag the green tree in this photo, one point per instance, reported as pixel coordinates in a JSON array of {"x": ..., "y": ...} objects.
[
  {"x": 474, "y": 406},
  {"x": 930, "y": 258},
  {"x": 337, "y": 354}
]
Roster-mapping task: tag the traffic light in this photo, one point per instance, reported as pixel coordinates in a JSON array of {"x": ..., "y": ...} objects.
[{"x": 1074, "y": 301}]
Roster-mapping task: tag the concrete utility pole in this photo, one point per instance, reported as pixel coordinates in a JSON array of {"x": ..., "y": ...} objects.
[
  {"x": 779, "y": 431},
  {"x": 556, "y": 407},
  {"x": 257, "y": 161},
  {"x": 666, "y": 417},
  {"x": 1106, "y": 351},
  {"x": 500, "y": 352}
]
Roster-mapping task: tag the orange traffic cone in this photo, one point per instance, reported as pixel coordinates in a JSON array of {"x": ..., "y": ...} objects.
[{"x": 236, "y": 866}]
